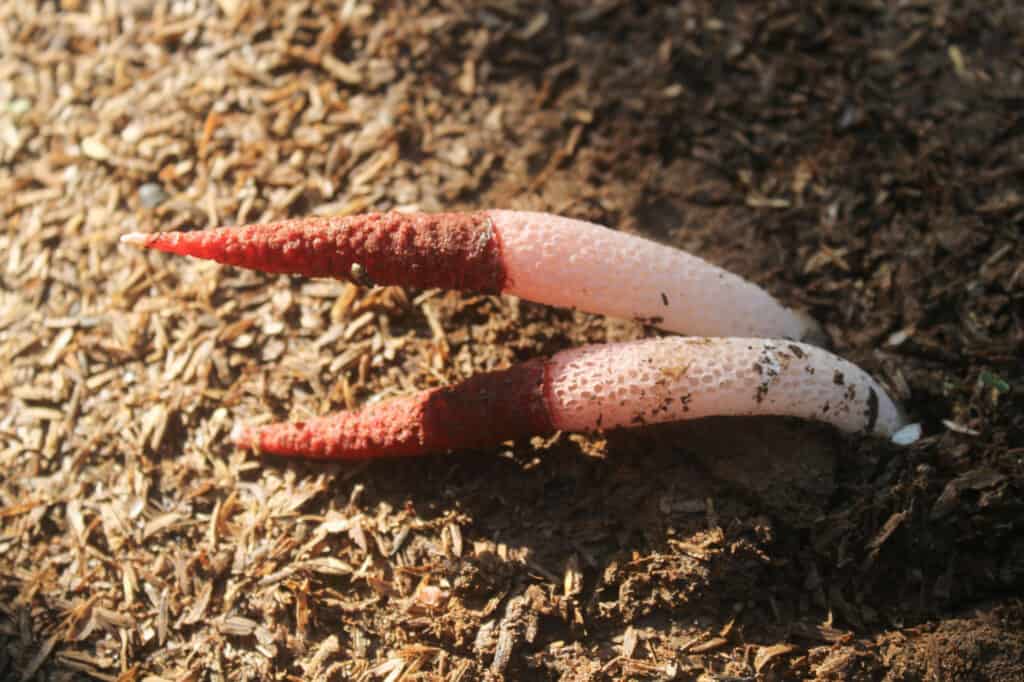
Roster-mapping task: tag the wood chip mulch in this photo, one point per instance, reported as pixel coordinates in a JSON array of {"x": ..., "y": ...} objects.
[{"x": 863, "y": 160}]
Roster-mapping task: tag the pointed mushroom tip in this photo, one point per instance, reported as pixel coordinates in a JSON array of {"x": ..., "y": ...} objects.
[{"x": 135, "y": 239}]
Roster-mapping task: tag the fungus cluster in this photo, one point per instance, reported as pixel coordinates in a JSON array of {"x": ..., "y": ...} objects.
[{"x": 750, "y": 355}]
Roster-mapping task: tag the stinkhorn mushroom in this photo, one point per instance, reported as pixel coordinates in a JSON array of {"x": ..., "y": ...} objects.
[{"x": 558, "y": 261}]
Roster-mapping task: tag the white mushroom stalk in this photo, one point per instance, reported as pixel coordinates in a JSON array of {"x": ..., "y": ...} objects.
[
  {"x": 576, "y": 264},
  {"x": 564, "y": 262},
  {"x": 672, "y": 379}
]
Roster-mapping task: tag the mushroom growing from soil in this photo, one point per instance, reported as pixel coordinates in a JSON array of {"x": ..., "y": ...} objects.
[{"x": 751, "y": 355}]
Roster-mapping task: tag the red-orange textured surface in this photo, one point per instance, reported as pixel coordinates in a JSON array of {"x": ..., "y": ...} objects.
[
  {"x": 489, "y": 408},
  {"x": 391, "y": 428},
  {"x": 481, "y": 411},
  {"x": 448, "y": 250}
]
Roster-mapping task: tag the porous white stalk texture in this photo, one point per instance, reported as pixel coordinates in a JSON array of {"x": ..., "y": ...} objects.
[
  {"x": 576, "y": 264},
  {"x": 676, "y": 378}
]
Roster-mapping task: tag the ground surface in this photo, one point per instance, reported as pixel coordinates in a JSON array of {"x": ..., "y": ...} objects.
[{"x": 863, "y": 160}]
